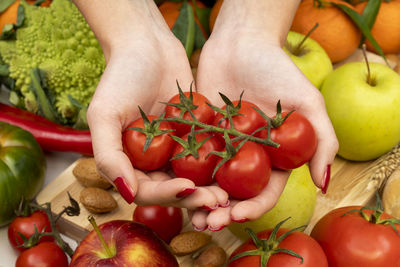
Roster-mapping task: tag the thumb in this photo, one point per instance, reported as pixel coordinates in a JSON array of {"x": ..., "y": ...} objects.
[{"x": 112, "y": 163}]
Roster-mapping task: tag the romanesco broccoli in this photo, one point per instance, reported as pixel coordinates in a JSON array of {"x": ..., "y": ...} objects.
[{"x": 57, "y": 41}]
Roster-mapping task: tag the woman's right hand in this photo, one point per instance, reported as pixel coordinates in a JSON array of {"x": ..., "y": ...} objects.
[{"x": 144, "y": 61}]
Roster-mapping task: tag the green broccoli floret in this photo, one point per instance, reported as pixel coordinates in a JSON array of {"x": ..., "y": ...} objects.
[{"x": 58, "y": 41}]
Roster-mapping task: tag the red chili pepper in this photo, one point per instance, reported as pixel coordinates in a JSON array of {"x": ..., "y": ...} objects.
[{"x": 51, "y": 136}]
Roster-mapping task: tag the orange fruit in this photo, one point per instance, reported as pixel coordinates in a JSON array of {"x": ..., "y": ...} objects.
[
  {"x": 336, "y": 33},
  {"x": 170, "y": 12},
  {"x": 386, "y": 29},
  {"x": 214, "y": 13},
  {"x": 9, "y": 16}
]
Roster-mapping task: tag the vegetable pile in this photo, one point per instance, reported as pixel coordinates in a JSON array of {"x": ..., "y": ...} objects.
[
  {"x": 55, "y": 62},
  {"x": 237, "y": 145}
]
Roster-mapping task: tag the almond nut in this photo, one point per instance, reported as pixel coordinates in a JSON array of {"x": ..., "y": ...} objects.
[
  {"x": 213, "y": 256},
  {"x": 188, "y": 242},
  {"x": 85, "y": 172},
  {"x": 97, "y": 200}
]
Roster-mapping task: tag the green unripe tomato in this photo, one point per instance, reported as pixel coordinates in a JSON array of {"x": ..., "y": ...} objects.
[{"x": 22, "y": 167}]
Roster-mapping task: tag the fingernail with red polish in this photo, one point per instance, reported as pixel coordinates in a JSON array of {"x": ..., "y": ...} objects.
[
  {"x": 216, "y": 229},
  {"x": 199, "y": 229},
  {"x": 240, "y": 220},
  {"x": 327, "y": 178},
  {"x": 225, "y": 205},
  {"x": 204, "y": 207},
  {"x": 124, "y": 190},
  {"x": 186, "y": 192}
]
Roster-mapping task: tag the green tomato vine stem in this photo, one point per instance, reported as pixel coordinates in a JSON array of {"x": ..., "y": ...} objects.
[{"x": 211, "y": 128}]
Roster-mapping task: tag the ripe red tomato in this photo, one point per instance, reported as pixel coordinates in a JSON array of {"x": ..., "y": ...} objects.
[
  {"x": 200, "y": 169},
  {"x": 247, "y": 173},
  {"x": 299, "y": 242},
  {"x": 26, "y": 226},
  {"x": 297, "y": 140},
  {"x": 246, "y": 123},
  {"x": 202, "y": 112},
  {"x": 350, "y": 240},
  {"x": 46, "y": 254},
  {"x": 157, "y": 154},
  {"x": 165, "y": 221}
]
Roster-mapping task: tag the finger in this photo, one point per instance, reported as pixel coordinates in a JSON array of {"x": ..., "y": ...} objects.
[
  {"x": 255, "y": 207},
  {"x": 202, "y": 198},
  {"x": 164, "y": 192},
  {"x": 221, "y": 195},
  {"x": 219, "y": 218},
  {"x": 111, "y": 161},
  {"x": 159, "y": 176},
  {"x": 327, "y": 144},
  {"x": 199, "y": 220}
]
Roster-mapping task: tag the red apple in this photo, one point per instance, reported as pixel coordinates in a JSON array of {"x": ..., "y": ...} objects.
[{"x": 125, "y": 243}]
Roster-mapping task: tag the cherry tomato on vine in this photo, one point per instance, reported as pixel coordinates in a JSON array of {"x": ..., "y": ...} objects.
[
  {"x": 26, "y": 226},
  {"x": 200, "y": 110},
  {"x": 46, "y": 254},
  {"x": 246, "y": 122},
  {"x": 156, "y": 155},
  {"x": 247, "y": 173},
  {"x": 298, "y": 242},
  {"x": 297, "y": 140},
  {"x": 165, "y": 221},
  {"x": 348, "y": 239},
  {"x": 199, "y": 169}
]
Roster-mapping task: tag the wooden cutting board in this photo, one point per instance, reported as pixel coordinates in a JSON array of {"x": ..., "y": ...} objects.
[{"x": 352, "y": 183}]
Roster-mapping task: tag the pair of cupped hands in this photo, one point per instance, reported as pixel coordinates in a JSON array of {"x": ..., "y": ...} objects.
[{"x": 143, "y": 72}]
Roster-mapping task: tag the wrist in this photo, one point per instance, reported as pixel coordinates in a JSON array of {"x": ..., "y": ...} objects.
[
  {"x": 117, "y": 24},
  {"x": 268, "y": 19}
]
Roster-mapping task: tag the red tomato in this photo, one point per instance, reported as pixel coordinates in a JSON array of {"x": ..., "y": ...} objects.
[
  {"x": 302, "y": 244},
  {"x": 297, "y": 140},
  {"x": 165, "y": 221},
  {"x": 26, "y": 226},
  {"x": 157, "y": 154},
  {"x": 246, "y": 123},
  {"x": 200, "y": 169},
  {"x": 46, "y": 254},
  {"x": 202, "y": 112},
  {"x": 350, "y": 240},
  {"x": 247, "y": 173}
]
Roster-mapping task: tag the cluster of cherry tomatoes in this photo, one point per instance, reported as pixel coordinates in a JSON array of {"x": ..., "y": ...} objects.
[{"x": 237, "y": 144}]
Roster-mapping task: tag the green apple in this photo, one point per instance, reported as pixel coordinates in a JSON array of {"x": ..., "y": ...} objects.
[
  {"x": 365, "y": 114},
  {"x": 297, "y": 201},
  {"x": 309, "y": 57}
]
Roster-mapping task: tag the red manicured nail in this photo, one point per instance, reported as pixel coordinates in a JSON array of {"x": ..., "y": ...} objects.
[
  {"x": 240, "y": 220},
  {"x": 327, "y": 178},
  {"x": 124, "y": 190},
  {"x": 225, "y": 205},
  {"x": 204, "y": 207},
  {"x": 199, "y": 229},
  {"x": 216, "y": 229},
  {"x": 186, "y": 192}
]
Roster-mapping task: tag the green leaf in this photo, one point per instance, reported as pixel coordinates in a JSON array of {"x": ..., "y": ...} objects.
[
  {"x": 362, "y": 25},
  {"x": 37, "y": 83},
  {"x": 199, "y": 39},
  {"x": 184, "y": 28},
  {"x": 203, "y": 15},
  {"x": 4, "y": 70},
  {"x": 20, "y": 16},
  {"x": 371, "y": 11},
  {"x": 4, "y": 4}
]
